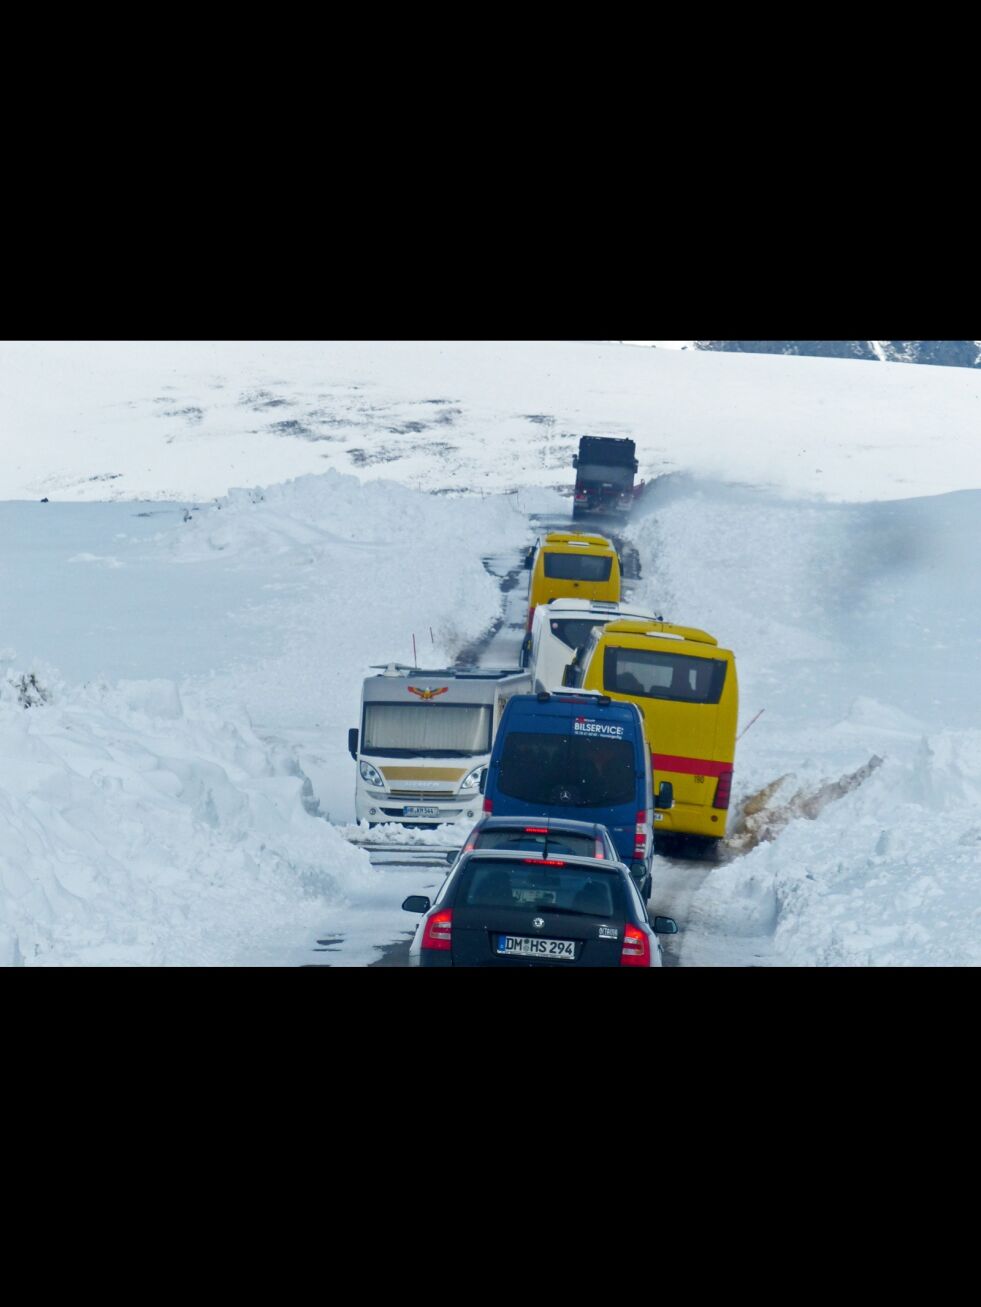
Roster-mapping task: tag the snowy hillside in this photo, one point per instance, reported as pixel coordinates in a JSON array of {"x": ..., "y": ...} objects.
[
  {"x": 177, "y": 675},
  {"x": 936, "y": 353},
  {"x": 189, "y": 421}
]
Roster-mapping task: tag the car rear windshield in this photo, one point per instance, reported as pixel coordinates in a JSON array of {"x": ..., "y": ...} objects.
[
  {"x": 574, "y": 631},
  {"x": 555, "y": 842},
  {"x": 404, "y": 730},
  {"x": 578, "y": 567},
  {"x": 654, "y": 675},
  {"x": 576, "y": 771},
  {"x": 583, "y": 891}
]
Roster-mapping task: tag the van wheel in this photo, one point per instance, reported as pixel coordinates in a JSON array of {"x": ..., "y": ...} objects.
[{"x": 646, "y": 888}]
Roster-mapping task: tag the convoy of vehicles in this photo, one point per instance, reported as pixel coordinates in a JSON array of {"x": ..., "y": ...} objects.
[
  {"x": 686, "y": 688},
  {"x": 512, "y": 909},
  {"x": 423, "y": 740},
  {"x": 571, "y": 565},
  {"x": 621, "y": 725},
  {"x": 605, "y": 470}
]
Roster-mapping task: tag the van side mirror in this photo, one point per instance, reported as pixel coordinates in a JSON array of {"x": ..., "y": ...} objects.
[
  {"x": 528, "y": 557},
  {"x": 416, "y": 903},
  {"x": 665, "y": 795},
  {"x": 482, "y": 782},
  {"x": 352, "y": 742}
]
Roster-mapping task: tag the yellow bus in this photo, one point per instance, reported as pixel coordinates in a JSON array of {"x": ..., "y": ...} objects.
[
  {"x": 685, "y": 686},
  {"x": 572, "y": 565}
]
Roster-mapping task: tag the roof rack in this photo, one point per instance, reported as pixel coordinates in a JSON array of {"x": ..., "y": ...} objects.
[{"x": 461, "y": 674}]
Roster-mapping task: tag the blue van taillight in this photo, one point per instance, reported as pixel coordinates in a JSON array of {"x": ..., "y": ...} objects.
[
  {"x": 488, "y": 806},
  {"x": 640, "y": 835},
  {"x": 723, "y": 790}
]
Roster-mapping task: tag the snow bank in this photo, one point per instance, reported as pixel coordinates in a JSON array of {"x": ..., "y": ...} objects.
[
  {"x": 182, "y": 820},
  {"x": 140, "y": 827},
  {"x": 856, "y": 815},
  {"x": 360, "y": 569}
]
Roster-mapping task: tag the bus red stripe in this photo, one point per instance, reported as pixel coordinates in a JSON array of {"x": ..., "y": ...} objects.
[{"x": 690, "y": 766}]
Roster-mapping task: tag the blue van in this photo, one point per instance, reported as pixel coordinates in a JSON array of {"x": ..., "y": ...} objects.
[{"x": 576, "y": 753}]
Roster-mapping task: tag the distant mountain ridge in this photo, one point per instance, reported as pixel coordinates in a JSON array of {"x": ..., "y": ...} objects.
[{"x": 945, "y": 353}]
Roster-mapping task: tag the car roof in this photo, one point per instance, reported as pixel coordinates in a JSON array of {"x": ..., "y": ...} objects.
[
  {"x": 550, "y": 823},
  {"x": 521, "y": 855}
]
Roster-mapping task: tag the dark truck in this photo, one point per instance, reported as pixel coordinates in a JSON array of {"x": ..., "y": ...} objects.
[{"x": 605, "y": 468}]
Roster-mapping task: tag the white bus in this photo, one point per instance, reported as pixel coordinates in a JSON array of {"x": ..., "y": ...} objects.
[{"x": 562, "y": 627}]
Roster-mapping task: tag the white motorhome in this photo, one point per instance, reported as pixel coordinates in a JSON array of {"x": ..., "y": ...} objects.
[
  {"x": 562, "y": 627},
  {"x": 425, "y": 735}
]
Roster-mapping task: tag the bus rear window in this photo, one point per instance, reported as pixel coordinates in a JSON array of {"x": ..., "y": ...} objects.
[
  {"x": 650, "y": 674},
  {"x": 578, "y": 567}
]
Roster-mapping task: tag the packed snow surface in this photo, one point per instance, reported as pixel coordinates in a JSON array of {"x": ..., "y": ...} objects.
[{"x": 237, "y": 532}]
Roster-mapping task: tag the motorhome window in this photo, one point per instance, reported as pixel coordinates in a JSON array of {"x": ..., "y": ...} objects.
[
  {"x": 567, "y": 770},
  {"x": 654, "y": 675},
  {"x": 572, "y": 633},
  {"x": 585, "y": 891},
  {"x": 578, "y": 567},
  {"x": 412, "y": 729}
]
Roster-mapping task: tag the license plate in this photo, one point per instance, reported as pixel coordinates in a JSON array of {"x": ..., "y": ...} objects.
[
  {"x": 519, "y": 946},
  {"x": 416, "y": 811}
]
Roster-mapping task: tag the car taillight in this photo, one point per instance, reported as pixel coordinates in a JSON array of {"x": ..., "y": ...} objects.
[
  {"x": 536, "y": 830},
  {"x": 598, "y": 850},
  {"x": 636, "y": 948},
  {"x": 439, "y": 930},
  {"x": 546, "y": 862},
  {"x": 722, "y": 790},
  {"x": 488, "y": 806}
]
